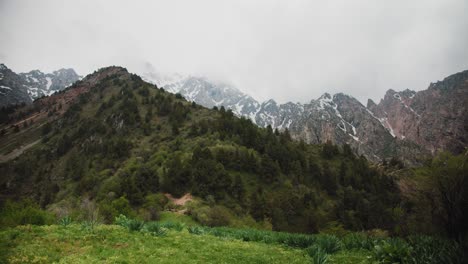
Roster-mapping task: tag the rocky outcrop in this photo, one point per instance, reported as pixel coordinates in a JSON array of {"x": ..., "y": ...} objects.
[
  {"x": 26, "y": 87},
  {"x": 12, "y": 89},
  {"x": 41, "y": 84},
  {"x": 406, "y": 124},
  {"x": 436, "y": 118}
]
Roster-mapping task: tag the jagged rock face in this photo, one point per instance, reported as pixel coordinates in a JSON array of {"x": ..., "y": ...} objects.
[
  {"x": 12, "y": 89},
  {"x": 436, "y": 118},
  {"x": 344, "y": 120},
  {"x": 44, "y": 84},
  {"x": 406, "y": 124},
  {"x": 26, "y": 87},
  {"x": 339, "y": 118},
  {"x": 207, "y": 93}
]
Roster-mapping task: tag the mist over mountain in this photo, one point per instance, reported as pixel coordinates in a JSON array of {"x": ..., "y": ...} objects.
[{"x": 376, "y": 131}]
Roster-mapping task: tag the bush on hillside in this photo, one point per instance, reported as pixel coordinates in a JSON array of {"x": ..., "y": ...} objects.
[
  {"x": 212, "y": 216},
  {"x": 23, "y": 213}
]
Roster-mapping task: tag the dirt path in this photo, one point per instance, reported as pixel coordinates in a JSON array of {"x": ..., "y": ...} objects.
[{"x": 16, "y": 152}]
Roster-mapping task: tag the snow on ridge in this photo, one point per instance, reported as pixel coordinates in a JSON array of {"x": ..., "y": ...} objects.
[
  {"x": 342, "y": 127},
  {"x": 49, "y": 83},
  {"x": 218, "y": 103},
  {"x": 397, "y": 96},
  {"x": 383, "y": 121},
  {"x": 355, "y": 138}
]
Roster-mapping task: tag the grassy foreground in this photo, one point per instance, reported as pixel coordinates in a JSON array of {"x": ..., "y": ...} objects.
[
  {"x": 177, "y": 240},
  {"x": 115, "y": 244}
]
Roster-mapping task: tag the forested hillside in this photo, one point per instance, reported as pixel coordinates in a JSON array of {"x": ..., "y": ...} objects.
[
  {"x": 127, "y": 138},
  {"x": 114, "y": 144}
]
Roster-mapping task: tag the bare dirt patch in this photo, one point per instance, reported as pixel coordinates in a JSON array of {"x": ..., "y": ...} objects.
[{"x": 179, "y": 201}]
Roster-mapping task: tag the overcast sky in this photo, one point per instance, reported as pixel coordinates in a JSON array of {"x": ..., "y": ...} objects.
[{"x": 285, "y": 50}]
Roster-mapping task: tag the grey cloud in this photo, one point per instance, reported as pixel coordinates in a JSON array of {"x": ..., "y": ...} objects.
[{"x": 286, "y": 50}]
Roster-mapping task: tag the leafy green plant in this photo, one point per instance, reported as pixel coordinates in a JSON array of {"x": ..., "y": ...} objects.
[
  {"x": 432, "y": 250},
  {"x": 135, "y": 225},
  {"x": 317, "y": 254},
  {"x": 122, "y": 220},
  {"x": 328, "y": 243},
  {"x": 393, "y": 250},
  {"x": 196, "y": 230},
  {"x": 65, "y": 221},
  {"x": 155, "y": 229},
  {"x": 173, "y": 225},
  {"x": 358, "y": 241},
  {"x": 89, "y": 225}
]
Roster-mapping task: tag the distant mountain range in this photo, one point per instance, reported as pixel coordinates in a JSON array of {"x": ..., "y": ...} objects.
[
  {"x": 409, "y": 125},
  {"x": 26, "y": 87}
]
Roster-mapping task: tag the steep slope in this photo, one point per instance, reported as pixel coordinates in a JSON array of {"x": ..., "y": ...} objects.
[
  {"x": 207, "y": 93},
  {"x": 44, "y": 84},
  {"x": 405, "y": 124},
  {"x": 12, "y": 89},
  {"x": 436, "y": 118},
  {"x": 26, "y": 87},
  {"x": 339, "y": 118}
]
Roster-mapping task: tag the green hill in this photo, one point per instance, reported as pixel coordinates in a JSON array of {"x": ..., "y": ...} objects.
[
  {"x": 123, "y": 137},
  {"x": 112, "y": 144}
]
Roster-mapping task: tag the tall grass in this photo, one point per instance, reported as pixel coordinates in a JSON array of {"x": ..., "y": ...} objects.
[
  {"x": 413, "y": 250},
  {"x": 432, "y": 250}
]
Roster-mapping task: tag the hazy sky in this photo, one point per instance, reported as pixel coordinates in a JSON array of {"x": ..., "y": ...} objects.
[{"x": 286, "y": 50}]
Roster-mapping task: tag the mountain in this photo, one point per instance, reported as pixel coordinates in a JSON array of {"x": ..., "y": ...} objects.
[
  {"x": 112, "y": 137},
  {"x": 26, "y": 87},
  {"x": 12, "y": 89},
  {"x": 339, "y": 118},
  {"x": 435, "y": 118},
  {"x": 409, "y": 125},
  {"x": 207, "y": 93},
  {"x": 44, "y": 84}
]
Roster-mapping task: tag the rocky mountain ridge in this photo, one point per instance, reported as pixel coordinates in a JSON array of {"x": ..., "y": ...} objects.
[
  {"x": 391, "y": 128},
  {"x": 435, "y": 118},
  {"x": 26, "y": 87}
]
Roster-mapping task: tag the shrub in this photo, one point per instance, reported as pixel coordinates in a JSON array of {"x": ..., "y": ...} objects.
[
  {"x": 318, "y": 255},
  {"x": 173, "y": 225},
  {"x": 121, "y": 220},
  {"x": 109, "y": 208},
  {"x": 358, "y": 241},
  {"x": 328, "y": 243},
  {"x": 432, "y": 250},
  {"x": 296, "y": 240},
  {"x": 196, "y": 230},
  {"x": 212, "y": 216},
  {"x": 23, "y": 213},
  {"x": 65, "y": 221},
  {"x": 89, "y": 225},
  {"x": 155, "y": 203},
  {"x": 135, "y": 225},
  {"x": 393, "y": 250},
  {"x": 155, "y": 229}
]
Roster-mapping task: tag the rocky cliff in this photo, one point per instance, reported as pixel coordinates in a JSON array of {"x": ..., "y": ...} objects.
[
  {"x": 409, "y": 125},
  {"x": 26, "y": 87},
  {"x": 436, "y": 118}
]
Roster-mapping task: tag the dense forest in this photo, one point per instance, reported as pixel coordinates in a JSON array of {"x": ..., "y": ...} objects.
[{"x": 126, "y": 142}]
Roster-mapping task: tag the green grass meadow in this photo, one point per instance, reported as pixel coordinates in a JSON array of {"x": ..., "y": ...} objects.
[{"x": 115, "y": 244}]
